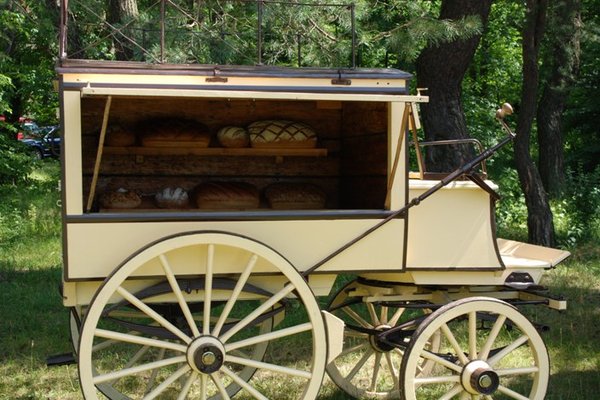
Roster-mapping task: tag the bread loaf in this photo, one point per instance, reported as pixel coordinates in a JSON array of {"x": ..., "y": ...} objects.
[
  {"x": 281, "y": 134},
  {"x": 172, "y": 198},
  {"x": 295, "y": 196},
  {"x": 226, "y": 195},
  {"x": 121, "y": 198},
  {"x": 233, "y": 137},
  {"x": 174, "y": 133}
]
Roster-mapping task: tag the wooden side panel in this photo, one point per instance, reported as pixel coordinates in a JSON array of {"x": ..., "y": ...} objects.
[
  {"x": 452, "y": 229},
  {"x": 95, "y": 249}
]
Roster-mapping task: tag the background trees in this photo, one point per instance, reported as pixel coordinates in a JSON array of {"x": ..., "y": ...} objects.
[{"x": 472, "y": 55}]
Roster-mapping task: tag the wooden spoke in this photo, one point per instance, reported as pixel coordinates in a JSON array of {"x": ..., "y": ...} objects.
[
  {"x": 450, "y": 336},
  {"x": 359, "y": 364},
  {"x": 436, "y": 380},
  {"x": 439, "y": 360},
  {"x": 517, "y": 371},
  {"x": 124, "y": 337},
  {"x": 269, "y": 336},
  {"x": 452, "y": 392},
  {"x": 179, "y": 295},
  {"x": 150, "y": 383},
  {"x": 472, "y": 335},
  {"x": 375, "y": 375},
  {"x": 257, "y": 312},
  {"x": 355, "y": 349},
  {"x": 511, "y": 393},
  {"x": 373, "y": 314},
  {"x": 208, "y": 289},
  {"x": 187, "y": 386},
  {"x": 203, "y": 386},
  {"x": 234, "y": 295},
  {"x": 485, "y": 350},
  {"x": 396, "y": 317},
  {"x": 383, "y": 315},
  {"x": 166, "y": 383},
  {"x": 393, "y": 371},
  {"x": 508, "y": 349},
  {"x": 219, "y": 384},
  {"x": 352, "y": 314},
  {"x": 136, "y": 370},
  {"x": 153, "y": 314},
  {"x": 267, "y": 366},
  {"x": 245, "y": 385}
]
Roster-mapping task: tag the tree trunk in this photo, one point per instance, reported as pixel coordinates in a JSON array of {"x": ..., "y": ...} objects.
[
  {"x": 441, "y": 70},
  {"x": 563, "y": 57},
  {"x": 539, "y": 219},
  {"x": 122, "y": 12}
]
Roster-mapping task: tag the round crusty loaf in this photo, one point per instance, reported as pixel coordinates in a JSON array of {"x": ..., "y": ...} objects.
[
  {"x": 121, "y": 198},
  {"x": 295, "y": 196},
  {"x": 226, "y": 195},
  {"x": 281, "y": 134},
  {"x": 233, "y": 137},
  {"x": 172, "y": 198},
  {"x": 174, "y": 133}
]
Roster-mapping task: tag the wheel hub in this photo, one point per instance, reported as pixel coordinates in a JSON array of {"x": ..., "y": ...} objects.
[
  {"x": 479, "y": 378},
  {"x": 206, "y": 354},
  {"x": 377, "y": 344}
]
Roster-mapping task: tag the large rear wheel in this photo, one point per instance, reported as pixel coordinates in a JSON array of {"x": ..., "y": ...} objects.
[{"x": 198, "y": 316}]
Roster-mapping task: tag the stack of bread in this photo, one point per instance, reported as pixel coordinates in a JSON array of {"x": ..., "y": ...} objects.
[
  {"x": 120, "y": 198},
  {"x": 227, "y": 195},
  {"x": 174, "y": 133},
  {"x": 295, "y": 196}
]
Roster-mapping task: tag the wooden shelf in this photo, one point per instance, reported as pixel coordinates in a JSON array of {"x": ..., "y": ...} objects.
[{"x": 216, "y": 151}]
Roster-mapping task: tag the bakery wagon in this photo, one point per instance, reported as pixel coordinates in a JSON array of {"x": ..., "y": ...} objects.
[{"x": 244, "y": 231}]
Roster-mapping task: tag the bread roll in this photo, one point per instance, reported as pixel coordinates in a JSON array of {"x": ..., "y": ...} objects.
[
  {"x": 172, "y": 198},
  {"x": 121, "y": 198},
  {"x": 295, "y": 196},
  {"x": 174, "y": 133},
  {"x": 233, "y": 137},
  {"x": 226, "y": 195},
  {"x": 281, "y": 134}
]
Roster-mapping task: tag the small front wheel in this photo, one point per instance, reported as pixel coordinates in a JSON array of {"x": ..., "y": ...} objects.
[{"x": 488, "y": 350}]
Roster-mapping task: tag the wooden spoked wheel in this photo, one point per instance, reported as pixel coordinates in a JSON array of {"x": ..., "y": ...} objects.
[
  {"x": 197, "y": 316},
  {"x": 368, "y": 368},
  {"x": 488, "y": 350}
]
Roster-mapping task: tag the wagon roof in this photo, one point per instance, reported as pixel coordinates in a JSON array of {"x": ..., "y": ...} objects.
[{"x": 90, "y": 66}]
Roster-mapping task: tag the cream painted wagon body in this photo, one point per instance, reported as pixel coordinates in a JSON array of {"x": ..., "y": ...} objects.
[{"x": 189, "y": 302}]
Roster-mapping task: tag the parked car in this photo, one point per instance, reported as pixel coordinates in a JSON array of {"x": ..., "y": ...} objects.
[{"x": 46, "y": 144}]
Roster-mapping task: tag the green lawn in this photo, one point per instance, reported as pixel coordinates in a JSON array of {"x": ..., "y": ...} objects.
[{"x": 34, "y": 323}]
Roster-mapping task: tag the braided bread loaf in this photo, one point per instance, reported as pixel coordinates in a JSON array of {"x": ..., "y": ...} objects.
[{"x": 281, "y": 134}]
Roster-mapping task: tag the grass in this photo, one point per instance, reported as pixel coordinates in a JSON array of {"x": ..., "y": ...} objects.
[{"x": 34, "y": 324}]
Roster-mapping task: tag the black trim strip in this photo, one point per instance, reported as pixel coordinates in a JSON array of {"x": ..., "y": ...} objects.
[{"x": 157, "y": 216}]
